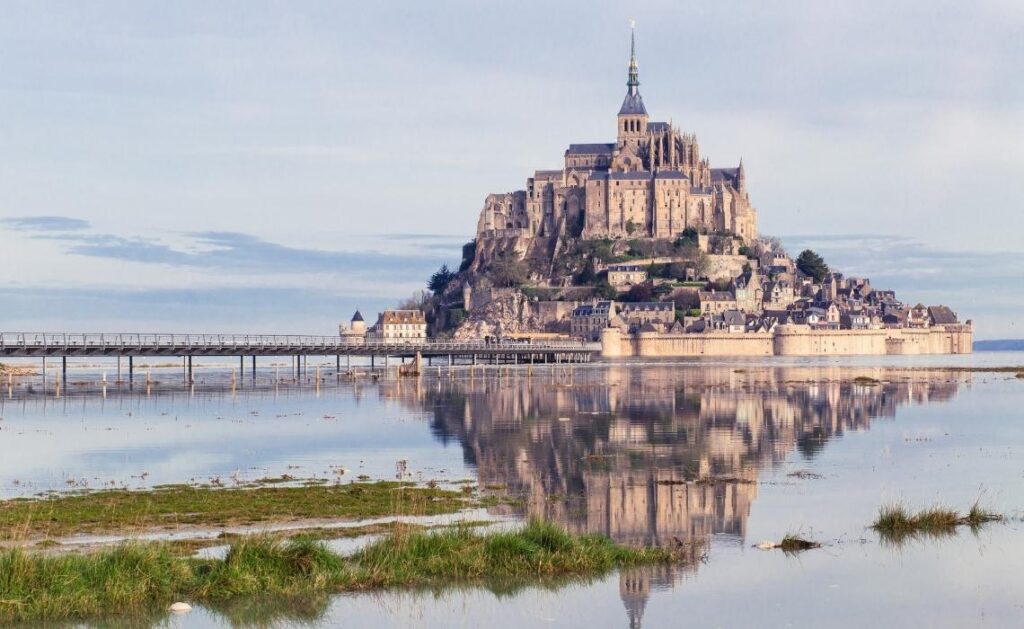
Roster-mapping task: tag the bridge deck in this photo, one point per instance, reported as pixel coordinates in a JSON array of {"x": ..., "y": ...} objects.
[{"x": 31, "y": 344}]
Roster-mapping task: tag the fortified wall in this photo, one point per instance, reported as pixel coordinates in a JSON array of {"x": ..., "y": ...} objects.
[{"x": 791, "y": 340}]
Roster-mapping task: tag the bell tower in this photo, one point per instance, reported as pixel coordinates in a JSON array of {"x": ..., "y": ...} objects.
[{"x": 632, "y": 117}]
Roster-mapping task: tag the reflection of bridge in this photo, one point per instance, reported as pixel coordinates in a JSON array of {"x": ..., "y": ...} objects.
[{"x": 43, "y": 345}]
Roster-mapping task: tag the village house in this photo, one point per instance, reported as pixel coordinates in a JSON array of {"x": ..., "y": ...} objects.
[
  {"x": 778, "y": 295},
  {"x": 637, "y": 314},
  {"x": 400, "y": 325},
  {"x": 625, "y": 275},
  {"x": 587, "y": 320},
  {"x": 855, "y": 320},
  {"x": 716, "y": 302}
]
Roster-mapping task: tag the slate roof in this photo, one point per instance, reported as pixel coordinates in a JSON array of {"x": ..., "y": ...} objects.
[
  {"x": 656, "y": 306},
  {"x": 734, "y": 317},
  {"x": 633, "y": 104},
  {"x": 719, "y": 175},
  {"x": 657, "y": 127},
  {"x": 704, "y": 295},
  {"x": 941, "y": 315},
  {"x": 628, "y": 268},
  {"x": 670, "y": 174},
  {"x": 402, "y": 316},
  {"x": 590, "y": 149},
  {"x": 358, "y": 316}
]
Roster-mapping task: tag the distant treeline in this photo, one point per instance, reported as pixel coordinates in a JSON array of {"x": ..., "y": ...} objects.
[{"x": 1000, "y": 345}]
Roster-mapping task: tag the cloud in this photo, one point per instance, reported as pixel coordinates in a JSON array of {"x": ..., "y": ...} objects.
[
  {"x": 44, "y": 223},
  {"x": 262, "y": 310},
  {"x": 245, "y": 253}
]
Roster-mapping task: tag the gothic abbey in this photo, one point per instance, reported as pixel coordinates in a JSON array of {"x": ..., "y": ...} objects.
[{"x": 652, "y": 182}]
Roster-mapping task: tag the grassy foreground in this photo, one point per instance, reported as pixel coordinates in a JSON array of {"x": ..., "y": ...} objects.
[
  {"x": 118, "y": 510},
  {"x": 896, "y": 523},
  {"x": 134, "y": 577}
]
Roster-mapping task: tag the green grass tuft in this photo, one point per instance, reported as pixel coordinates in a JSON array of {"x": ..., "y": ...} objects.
[
  {"x": 134, "y": 578},
  {"x": 794, "y": 544},
  {"x": 117, "y": 510},
  {"x": 896, "y": 523}
]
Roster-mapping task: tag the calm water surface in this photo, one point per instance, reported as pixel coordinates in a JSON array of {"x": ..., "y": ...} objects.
[{"x": 613, "y": 449}]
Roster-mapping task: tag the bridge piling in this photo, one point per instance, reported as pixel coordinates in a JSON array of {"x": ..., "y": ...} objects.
[
  {"x": 131, "y": 370},
  {"x": 254, "y": 368}
]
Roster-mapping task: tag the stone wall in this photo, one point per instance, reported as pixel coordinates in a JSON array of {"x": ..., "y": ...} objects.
[
  {"x": 791, "y": 340},
  {"x": 723, "y": 267}
]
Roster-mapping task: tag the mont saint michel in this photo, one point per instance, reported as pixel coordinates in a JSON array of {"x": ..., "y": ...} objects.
[
  {"x": 642, "y": 245},
  {"x": 511, "y": 315}
]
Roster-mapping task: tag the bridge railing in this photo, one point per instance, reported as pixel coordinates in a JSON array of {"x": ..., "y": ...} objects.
[{"x": 256, "y": 342}]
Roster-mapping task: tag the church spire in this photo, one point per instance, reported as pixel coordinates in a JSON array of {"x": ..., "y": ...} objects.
[
  {"x": 633, "y": 105},
  {"x": 634, "y": 73}
]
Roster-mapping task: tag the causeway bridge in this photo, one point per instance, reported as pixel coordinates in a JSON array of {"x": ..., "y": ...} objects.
[{"x": 61, "y": 345}]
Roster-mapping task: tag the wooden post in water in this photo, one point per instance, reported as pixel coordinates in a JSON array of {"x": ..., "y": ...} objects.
[
  {"x": 118, "y": 369},
  {"x": 131, "y": 370},
  {"x": 64, "y": 369},
  {"x": 254, "y": 368},
  {"x": 191, "y": 380}
]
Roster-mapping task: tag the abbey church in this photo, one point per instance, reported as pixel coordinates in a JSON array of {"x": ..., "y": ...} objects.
[{"x": 652, "y": 182}]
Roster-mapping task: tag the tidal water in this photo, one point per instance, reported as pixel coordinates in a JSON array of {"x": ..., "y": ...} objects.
[{"x": 797, "y": 446}]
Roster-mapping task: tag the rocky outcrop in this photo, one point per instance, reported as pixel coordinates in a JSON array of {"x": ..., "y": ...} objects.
[{"x": 506, "y": 314}]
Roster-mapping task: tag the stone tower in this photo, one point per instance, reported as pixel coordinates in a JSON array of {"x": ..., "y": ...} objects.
[{"x": 632, "y": 114}]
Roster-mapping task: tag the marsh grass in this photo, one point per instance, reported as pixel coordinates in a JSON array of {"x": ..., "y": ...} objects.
[
  {"x": 866, "y": 381},
  {"x": 136, "y": 577},
  {"x": 792, "y": 543},
  {"x": 897, "y": 524},
  {"x": 118, "y": 510}
]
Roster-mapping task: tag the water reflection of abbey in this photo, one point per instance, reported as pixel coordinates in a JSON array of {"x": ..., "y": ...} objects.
[{"x": 627, "y": 451}]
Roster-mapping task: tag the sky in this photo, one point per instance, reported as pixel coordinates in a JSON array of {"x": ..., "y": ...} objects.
[{"x": 271, "y": 166}]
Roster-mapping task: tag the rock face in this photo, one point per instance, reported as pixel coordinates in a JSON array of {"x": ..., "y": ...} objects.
[{"x": 507, "y": 314}]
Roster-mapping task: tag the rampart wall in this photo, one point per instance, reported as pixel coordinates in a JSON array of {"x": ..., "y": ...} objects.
[{"x": 791, "y": 340}]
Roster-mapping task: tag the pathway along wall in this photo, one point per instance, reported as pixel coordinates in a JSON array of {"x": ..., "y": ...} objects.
[{"x": 791, "y": 340}]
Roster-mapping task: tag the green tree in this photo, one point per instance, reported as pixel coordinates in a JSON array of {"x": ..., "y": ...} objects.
[
  {"x": 604, "y": 290},
  {"x": 812, "y": 265},
  {"x": 639, "y": 292},
  {"x": 441, "y": 279},
  {"x": 587, "y": 276},
  {"x": 509, "y": 272}
]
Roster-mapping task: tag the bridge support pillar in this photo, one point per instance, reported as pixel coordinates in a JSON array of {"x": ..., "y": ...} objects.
[
  {"x": 254, "y": 368},
  {"x": 241, "y": 367},
  {"x": 131, "y": 370},
  {"x": 64, "y": 370},
  {"x": 191, "y": 380}
]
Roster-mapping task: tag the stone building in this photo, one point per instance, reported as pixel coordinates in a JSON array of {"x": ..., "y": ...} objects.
[
  {"x": 651, "y": 182},
  {"x": 356, "y": 331},
  {"x": 626, "y": 275},
  {"x": 402, "y": 325},
  {"x": 587, "y": 320}
]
